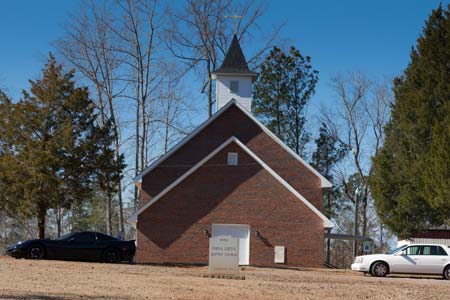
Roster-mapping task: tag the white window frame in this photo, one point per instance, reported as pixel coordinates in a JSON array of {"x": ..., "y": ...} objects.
[{"x": 233, "y": 158}]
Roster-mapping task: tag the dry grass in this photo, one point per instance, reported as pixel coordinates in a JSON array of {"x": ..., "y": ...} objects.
[{"x": 32, "y": 280}]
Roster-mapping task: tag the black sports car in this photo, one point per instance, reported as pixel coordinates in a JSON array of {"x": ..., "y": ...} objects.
[{"x": 83, "y": 246}]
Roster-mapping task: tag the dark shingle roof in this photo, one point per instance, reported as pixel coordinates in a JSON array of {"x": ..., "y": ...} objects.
[{"x": 234, "y": 61}]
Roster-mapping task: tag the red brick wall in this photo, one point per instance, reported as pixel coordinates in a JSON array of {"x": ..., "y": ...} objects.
[
  {"x": 234, "y": 122},
  {"x": 172, "y": 229}
]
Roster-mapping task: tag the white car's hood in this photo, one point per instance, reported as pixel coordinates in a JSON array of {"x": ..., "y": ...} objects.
[
  {"x": 372, "y": 257},
  {"x": 376, "y": 255}
]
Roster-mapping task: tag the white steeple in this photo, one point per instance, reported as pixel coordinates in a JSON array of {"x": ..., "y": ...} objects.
[{"x": 234, "y": 79}]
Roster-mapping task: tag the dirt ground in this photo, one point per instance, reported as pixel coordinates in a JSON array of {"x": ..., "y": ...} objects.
[{"x": 32, "y": 280}]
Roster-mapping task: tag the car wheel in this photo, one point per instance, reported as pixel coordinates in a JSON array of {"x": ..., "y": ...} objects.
[
  {"x": 379, "y": 269},
  {"x": 447, "y": 272},
  {"x": 35, "y": 252},
  {"x": 111, "y": 256}
]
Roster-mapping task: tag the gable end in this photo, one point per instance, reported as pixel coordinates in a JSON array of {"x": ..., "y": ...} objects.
[
  {"x": 327, "y": 223},
  {"x": 324, "y": 182}
]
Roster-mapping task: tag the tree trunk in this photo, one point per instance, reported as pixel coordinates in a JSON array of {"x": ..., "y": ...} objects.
[
  {"x": 136, "y": 158},
  {"x": 166, "y": 128},
  {"x": 117, "y": 151},
  {"x": 364, "y": 215},
  {"x": 381, "y": 238},
  {"x": 210, "y": 101},
  {"x": 328, "y": 214},
  {"x": 58, "y": 221},
  {"x": 42, "y": 213},
  {"x": 355, "y": 242},
  {"x": 119, "y": 186},
  {"x": 143, "y": 138},
  {"x": 108, "y": 214}
]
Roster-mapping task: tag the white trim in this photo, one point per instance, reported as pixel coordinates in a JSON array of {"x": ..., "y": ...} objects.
[
  {"x": 233, "y": 159},
  {"x": 324, "y": 182},
  {"x": 214, "y": 75},
  {"x": 327, "y": 223}
]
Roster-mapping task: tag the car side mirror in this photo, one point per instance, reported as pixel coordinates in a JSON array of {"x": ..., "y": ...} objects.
[{"x": 71, "y": 240}]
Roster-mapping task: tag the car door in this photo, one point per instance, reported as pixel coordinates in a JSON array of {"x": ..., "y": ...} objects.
[
  {"x": 103, "y": 242},
  {"x": 405, "y": 261},
  {"x": 59, "y": 249},
  {"x": 433, "y": 259},
  {"x": 62, "y": 248},
  {"x": 82, "y": 246}
]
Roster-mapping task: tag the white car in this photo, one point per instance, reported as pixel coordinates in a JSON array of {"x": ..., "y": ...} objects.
[{"x": 409, "y": 259}]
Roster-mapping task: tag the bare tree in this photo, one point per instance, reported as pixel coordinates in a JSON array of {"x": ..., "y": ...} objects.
[
  {"x": 200, "y": 32},
  {"x": 90, "y": 47},
  {"x": 117, "y": 46},
  {"x": 362, "y": 111},
  {"x": 141, "y": 46},
  {"x": 172, "y": 107}
]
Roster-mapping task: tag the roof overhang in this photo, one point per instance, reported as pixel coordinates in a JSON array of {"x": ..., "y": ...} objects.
[
  {"x": 324, "y": 182},
  {"x": 326, "y": 222},
  {"x": 253, "y": 75}
]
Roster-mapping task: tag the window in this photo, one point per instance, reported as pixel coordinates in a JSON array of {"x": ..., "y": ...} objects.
[
  {"x": 441, "y": 251},
  {"x": 84, "y": 237},
  {"x": 428, "y": 250},
  {"x": 232, "y": 158},
  {"x": 104, "y": 237},
  {"x": 433, "y": 250},
  {"x": 414, "y": 250},
  {"x": 66, "y": 237},
  {"x": 234, "y": 86}
]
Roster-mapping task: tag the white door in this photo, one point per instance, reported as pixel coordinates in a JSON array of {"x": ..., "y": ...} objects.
[
  {"x": 405, "y": 261},
  {"x": 242, "y": 232},
  {"x": 433, "y": 259}
]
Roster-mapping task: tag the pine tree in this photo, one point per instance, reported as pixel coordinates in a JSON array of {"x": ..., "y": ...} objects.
[
  {"x": 329, "y": 151},
  {"x": 53, "y": 152},
  {"x": 286, "y": 82},
  {"x": 411, "y": 170}
]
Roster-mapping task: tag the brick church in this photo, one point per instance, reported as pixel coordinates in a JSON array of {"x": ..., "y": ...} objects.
[{"x": 231, "y": 176}]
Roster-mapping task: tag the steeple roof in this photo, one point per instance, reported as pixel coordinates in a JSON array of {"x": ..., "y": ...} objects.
[{"x": 234, "y": 61}]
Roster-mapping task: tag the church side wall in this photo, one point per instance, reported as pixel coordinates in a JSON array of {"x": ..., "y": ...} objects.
[{"x": 172, "y": 229}]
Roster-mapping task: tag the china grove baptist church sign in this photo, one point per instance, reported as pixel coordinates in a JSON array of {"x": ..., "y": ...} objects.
[{"x": 223, "y": 256}]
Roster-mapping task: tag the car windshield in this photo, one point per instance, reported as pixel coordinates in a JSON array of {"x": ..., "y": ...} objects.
[
  {"x": 397, "y": 249},
  {"x": 65, "y": 237}
]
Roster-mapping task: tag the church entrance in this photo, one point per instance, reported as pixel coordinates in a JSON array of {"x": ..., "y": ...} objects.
[{"x": 240, "y": 231}]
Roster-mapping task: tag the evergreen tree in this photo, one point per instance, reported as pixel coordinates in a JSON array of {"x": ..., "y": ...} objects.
[
  {"x": 437, "y": 171},
  {"x": 329, "y": 151},
  {"x": 286, "y": 82},
  {"x": 53, "y": 152},
  {"x": 410, "y": 183}
]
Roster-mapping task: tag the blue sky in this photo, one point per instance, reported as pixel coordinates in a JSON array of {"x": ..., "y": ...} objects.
[{"x": 374, "y": 37}]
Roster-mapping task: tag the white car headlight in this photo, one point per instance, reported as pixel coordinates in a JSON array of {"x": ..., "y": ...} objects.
[{"x": 359, "y": 260}]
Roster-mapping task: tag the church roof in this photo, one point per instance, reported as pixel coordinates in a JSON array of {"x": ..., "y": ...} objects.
[{"x": 234, "y": 61}]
